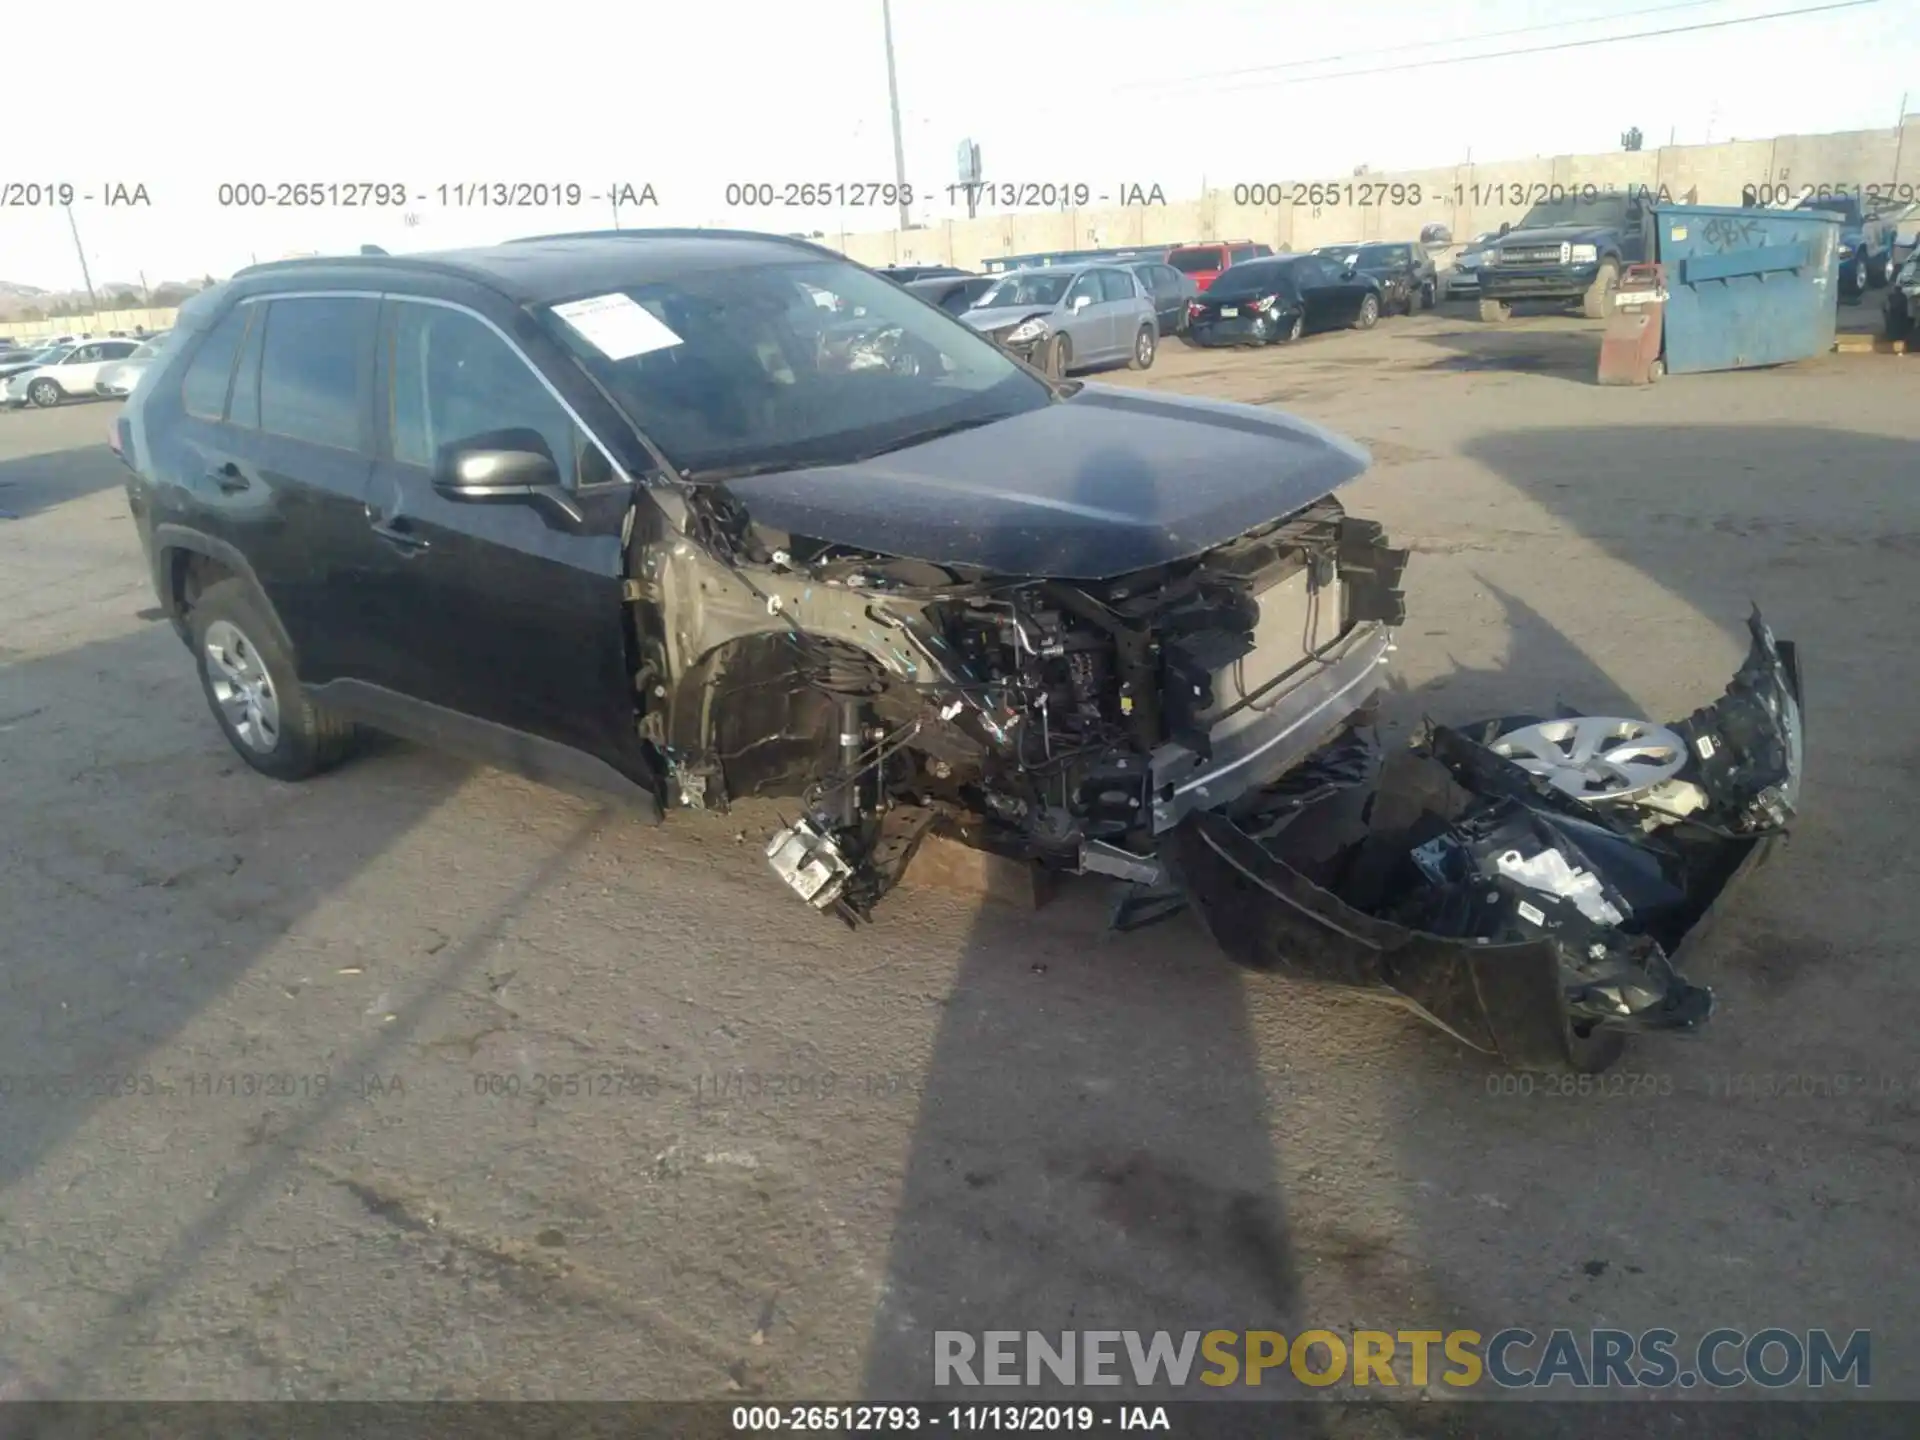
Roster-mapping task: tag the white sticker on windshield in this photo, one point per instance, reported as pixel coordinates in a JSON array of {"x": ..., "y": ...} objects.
[{"x": 616, "y": 326}]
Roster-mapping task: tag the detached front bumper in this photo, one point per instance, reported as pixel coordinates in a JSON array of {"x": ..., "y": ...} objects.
[{"x": 1512, "y": 970}]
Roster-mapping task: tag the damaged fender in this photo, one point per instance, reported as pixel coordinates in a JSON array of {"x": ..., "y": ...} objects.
[{"x": 1455, "y": 895}]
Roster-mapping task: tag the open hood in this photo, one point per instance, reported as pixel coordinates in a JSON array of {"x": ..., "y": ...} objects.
[{"x": 1104, "y": 483}]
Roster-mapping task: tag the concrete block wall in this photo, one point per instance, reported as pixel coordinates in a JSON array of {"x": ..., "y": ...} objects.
[{"x": 1467, "y": 198}]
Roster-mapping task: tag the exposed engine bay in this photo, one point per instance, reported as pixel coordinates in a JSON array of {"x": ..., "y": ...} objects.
[{"x": 1199, "y": 732}]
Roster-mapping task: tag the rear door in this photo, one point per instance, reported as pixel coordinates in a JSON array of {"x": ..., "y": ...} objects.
[
  {"x": 1120, "y": 292},
  {"x": 288, "y": 500},
  {"x": 292, "y": 483},
  {"x": 508, "y": 613}
]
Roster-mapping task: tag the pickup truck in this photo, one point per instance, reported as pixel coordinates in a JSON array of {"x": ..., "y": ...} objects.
[{"x": 1569, "y": 249}]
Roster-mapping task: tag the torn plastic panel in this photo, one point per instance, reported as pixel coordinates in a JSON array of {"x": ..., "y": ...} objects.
[{"x": 1485, "y": 898}]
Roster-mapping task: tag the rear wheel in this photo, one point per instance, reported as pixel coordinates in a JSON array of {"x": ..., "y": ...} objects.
[
  {"x": 1369, "y": 312},
  {"x": 1143, "y": 348},
  {"x": 250, "y": 685},
  {"x": 1296, "y": 328},
  {"x": 1597, "y": 303}
]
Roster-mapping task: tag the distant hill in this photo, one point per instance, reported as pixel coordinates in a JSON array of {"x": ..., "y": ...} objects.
[{"x": 30, "y": 302}]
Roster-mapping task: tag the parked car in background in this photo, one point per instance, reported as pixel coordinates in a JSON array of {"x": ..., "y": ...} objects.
[
  {"x": 117, "y": 379},
  {"x": 1405, "y": 273},
  {"x": 954, "y": 294},
  {"x": 70, "y": 373},
  {"x": 1866, "y": 241},
  {"x": 1068, "y": 318},
  {"x": 19, "y": 361},
  {"x": 1904, "y": 237},
  {"x": 1571, "y": 249},
  {"x": 1282, "y": 297},
  {"x": 1201, "y": 263},
  {"x": 905, "y": 274},
  {"x": 1170, "y": 289},
  {"x": 1903, "y": 299},
  {"x": 1462, "y": 280}
]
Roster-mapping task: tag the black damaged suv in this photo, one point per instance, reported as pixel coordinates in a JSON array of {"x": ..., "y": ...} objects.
[{"x": 700, "y": 515}]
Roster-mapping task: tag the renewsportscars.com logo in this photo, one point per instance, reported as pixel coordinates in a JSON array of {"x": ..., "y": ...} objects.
[{"x": 1510, "y": 1359}]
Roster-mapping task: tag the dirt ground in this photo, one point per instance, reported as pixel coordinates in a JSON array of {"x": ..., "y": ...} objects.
[{"x": 296, "y": 1153}]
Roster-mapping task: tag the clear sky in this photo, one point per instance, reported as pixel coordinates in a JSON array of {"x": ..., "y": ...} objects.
[{"x": 690, "y": 97}]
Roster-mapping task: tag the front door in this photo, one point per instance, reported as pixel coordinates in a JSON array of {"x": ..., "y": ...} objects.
[{"x": 509, "y": 612}]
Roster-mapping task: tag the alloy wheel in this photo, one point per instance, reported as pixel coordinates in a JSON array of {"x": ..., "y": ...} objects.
[{"x": 241, "y": 686}]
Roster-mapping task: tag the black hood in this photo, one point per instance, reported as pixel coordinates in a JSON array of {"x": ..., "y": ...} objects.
[
  {"x": 1555, "y": 235},
  {"x": 1101, "y": 484}
]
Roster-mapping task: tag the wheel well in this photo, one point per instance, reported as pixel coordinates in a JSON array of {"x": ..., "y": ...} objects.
[{"x": 189, "y": 573}]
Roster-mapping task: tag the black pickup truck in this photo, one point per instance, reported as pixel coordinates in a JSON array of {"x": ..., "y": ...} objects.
[{"x": 1570, "y": 249}]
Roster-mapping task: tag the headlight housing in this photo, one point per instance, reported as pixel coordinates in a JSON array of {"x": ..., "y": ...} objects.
[
  {"x": 1472, "y": 260},
  {"x": 1585, "y": 254},
  {"x": 1027, "y": 330},
  {"x": 1489, "y": 257}
]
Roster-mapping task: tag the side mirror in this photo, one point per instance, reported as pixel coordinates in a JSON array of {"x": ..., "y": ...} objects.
[
  {"x": 502, "y": 465},
  {"x": 1081, "y": 302}
]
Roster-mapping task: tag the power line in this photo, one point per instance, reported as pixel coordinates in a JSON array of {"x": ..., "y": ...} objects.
[
  {"x": 1543, "y": 49},
  {"x": 1422, "y": 45}
]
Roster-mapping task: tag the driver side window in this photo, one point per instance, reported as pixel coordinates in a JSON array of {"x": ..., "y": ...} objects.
[
  {"x": 1088, "y": 285},
  {"x": 452, "y": 378}
]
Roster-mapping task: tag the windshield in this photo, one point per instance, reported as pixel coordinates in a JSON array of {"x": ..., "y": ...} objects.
[
  {"x": 1380, "y": 257},
  {"x": 1254, "y": 277},
  {"x": 1608, "y": 210},
  {"x": 1847, "y": 207},
  {"x": 742, "y": 369},
  {"x": 1030, "y": 289},
  {"x": 1194, "y": 262}
]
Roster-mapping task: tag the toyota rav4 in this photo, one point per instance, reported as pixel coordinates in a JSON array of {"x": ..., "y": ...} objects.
[{"x": 640, "y": 510}]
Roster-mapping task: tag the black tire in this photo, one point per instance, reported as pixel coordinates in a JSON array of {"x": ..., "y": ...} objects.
[
  {"x": 1495, "y": 312},
  {"x": 1597, "y": 303},
  {"x": 1145, "y": 347},
  {"x": 1369, "y": 315},
  {"x": 303, "y": 739},
  {"x": 45, "y": 394},
  {"x": 1059, "y": 357},
  {"x": 1899, "y": 326},
  {"x": 1656, "y": 372},
  {"x": 1296, "y": 329}
]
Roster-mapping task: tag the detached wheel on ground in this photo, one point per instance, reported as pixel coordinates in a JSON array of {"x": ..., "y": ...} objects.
[
  {"x": 1369, "y": 315},
  {"x": 45, "y": 394},
  {"x": 1143, "y": 349},
  {"x": 250, "y": 686},
  {"x": 1597, "y": 303},
  {"x": 1495, "y": 312}
]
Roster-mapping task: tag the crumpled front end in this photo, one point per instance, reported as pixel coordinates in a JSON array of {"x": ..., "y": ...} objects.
[{"x": 1531, "y": 886}]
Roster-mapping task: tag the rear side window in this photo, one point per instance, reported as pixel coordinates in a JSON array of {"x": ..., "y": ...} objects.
[
  {"x": 204, "y": 390},
  {"x": 1243, "y": 252},
  {"x": 1117, "y": 285},
  {"x": 1193, "y": 262},
  {"x": 313, "y": 363}
]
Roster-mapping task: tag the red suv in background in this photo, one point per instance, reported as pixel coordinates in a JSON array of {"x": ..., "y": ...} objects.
[{"x": 1204, "y": 262}]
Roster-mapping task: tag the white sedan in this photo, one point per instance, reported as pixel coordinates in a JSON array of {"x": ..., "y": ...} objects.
[{"x": 68, "y": 372}]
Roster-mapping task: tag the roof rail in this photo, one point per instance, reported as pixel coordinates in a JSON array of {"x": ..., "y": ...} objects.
[{"x": 680, "y": 232}]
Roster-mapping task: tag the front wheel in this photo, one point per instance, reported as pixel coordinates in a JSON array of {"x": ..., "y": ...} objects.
[
  {"x": 1059, "y": 356},
  {"x": 1597, "y": 303},
  {"x": 45, "y": 394},
  {"x": 1369, "y": 312},
  {"x": 1143, "y": 348},
  {"x": 1417, "y": 300}
]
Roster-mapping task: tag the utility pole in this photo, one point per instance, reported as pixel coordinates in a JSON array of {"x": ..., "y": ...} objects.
[
  {"x": 893, "y": 99},
  {"x": 93, "y": 303}
]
